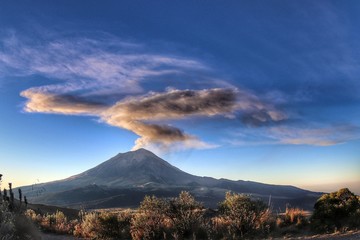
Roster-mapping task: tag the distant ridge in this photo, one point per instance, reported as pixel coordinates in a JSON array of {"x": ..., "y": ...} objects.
[{"x": 123, "y": 181}]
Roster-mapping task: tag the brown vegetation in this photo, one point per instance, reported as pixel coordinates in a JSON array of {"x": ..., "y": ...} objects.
[
  {"x": 241, "y": 217},
  {"x": 238, "y": 217},
  {"x": 337, "y": 211},
  {"x": 13, "y": 224}
]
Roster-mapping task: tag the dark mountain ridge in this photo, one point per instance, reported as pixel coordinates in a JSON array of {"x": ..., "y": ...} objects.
[{"x": 123, "y": 181}]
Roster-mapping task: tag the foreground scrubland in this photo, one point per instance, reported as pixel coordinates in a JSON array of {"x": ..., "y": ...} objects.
[{"x": 237, "y": 217}]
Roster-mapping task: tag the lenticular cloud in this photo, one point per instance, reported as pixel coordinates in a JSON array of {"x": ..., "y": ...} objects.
[
  {"x": 140, "y": 114},
  {"x": 110, "y": 79}
]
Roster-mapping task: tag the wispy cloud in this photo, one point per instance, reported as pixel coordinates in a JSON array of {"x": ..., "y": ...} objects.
[
  {"x": 91, "y": 65},
  {"x": 297, "y": 135},
  {"x": 321, "y": 136}
]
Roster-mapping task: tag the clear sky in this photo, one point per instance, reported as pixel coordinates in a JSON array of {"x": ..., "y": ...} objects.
[{"x": 266, "y": 91}]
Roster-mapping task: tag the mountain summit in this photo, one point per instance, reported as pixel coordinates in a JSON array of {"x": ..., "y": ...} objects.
[
  {"x": 134, "y": 169},
  {"x": 124, "y": 180}
]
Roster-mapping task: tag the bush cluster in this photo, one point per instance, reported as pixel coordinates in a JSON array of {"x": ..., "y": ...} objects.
[
  {"x": 178, "y": 218},
  {"x": 337, "y": 211},
  {"x": 104, "y": 225},
  {"x": 174, "y": 218},
  {"x": 242, "y": 217},
  {"x": 55, "y": 223},
  {"x": 238, "y": 217},
  {"x": 90, "y": 225},
  {"x": 15, "y": 226}
]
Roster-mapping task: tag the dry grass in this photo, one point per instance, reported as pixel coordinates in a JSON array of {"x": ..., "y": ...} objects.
[{"x": 293, "y": 216}]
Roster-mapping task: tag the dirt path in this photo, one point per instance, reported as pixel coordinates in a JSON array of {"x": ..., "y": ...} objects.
[{"x": 351, "y": 235}]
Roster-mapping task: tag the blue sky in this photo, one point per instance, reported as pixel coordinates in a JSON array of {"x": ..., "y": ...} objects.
[{"x": 256, "y": 90}]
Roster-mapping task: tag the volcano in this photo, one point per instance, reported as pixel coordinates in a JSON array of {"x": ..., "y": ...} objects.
[{"x": 126, "y": 178}]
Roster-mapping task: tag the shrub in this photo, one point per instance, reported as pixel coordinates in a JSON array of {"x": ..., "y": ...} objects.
[
  {"x": 90, "y": 225},
  {"x": 25, "y": 229},
  {"x": 103, "y": 225},
  {"x": 241, "y": 217},
  {"x": 15, "y": 225},
  {"x": 178, "y": 218},
  {"x": 124, "y": 219},
  {"x": 187, "y": 217},
  {"x": 7, "y": 222},
  {"x": 114, "y": 226},
  {"x": 336, "y": 211},
  {"x": 149, "y": 221},
  {"x": 56, "y": 222}
]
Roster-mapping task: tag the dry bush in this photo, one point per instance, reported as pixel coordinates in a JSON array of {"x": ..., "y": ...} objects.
[
  {"x": 31, "y": 214},
  {"x": 177, "y": 218},
  {"x": 114, "y": 226},
  {"x": 292, "y": 216},
  {"x": 150, "y": 220},
  {"x": 56, "y": 222},
  {"x": 7, "y": 222},
  {"x": 15, "y": 225},
  {"x": 103, "y": 225},
  {"x": 187, "y": 217},
  {"x": 25, "y": 229},
  {"x": 89, "y": 226},
  {"x": 241, "y": 217},
  {"x": 124, "y": 220}
]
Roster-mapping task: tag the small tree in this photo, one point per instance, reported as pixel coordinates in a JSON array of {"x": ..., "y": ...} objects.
[
  {"x": 20, "y": 195},
  {"x": 11, "y": 205},
  {"x": 6, "y": 198},
  {"x": 0, "y": 187}
]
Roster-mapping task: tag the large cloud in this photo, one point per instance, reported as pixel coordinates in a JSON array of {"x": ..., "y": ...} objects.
[
  {"x": 112, "y": 79},
  {"x": 132, "y": 113},
  {"x": 142, "y": 114}
]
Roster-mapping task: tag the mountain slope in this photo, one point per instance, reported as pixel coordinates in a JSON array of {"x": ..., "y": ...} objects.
[
  {"x": 125, "y": 179},
  {"x": 134, "y": 169}
]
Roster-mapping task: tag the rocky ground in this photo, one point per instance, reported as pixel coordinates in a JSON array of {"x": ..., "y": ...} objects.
[{"x": 48, "y": 236}]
